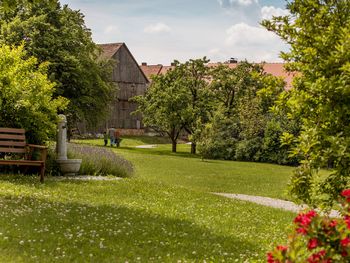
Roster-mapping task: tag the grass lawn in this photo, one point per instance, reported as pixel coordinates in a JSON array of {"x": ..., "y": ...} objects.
[
  {"x": 183, "y": 169},
  {"x": 163, "y": 214}
]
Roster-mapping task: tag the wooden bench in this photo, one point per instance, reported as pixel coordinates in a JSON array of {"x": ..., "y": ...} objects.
[{"x": 13, "y": 142}]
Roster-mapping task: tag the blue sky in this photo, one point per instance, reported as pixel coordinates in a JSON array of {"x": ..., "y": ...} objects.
[{"x": 159, "y": 31}]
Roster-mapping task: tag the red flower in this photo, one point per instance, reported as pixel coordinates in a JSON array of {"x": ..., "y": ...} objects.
[
  {"x": 345, "y": 242},
  {"x": 316, "y": 257},
  {"x": 311, "y": 214},
  {"x": 302, "y": 231},
  {"x": 270, "y": 258},
  {"x": 346, "y": 193},
  {"x": 333, "y": 223},
  {"x": 282, "y": 248},
  {"x": 313, "y": 243},
  {"x": 347, "y": 221},
  {"x": 344, "y": 253}
]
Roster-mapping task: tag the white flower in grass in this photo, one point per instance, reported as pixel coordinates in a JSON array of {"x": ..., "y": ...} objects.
[{"x": 21, "y": 242}]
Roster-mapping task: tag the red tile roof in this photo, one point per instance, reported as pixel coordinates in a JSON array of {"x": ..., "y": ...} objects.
[
  {"x": 276, "y": 69},
  {"x": 150, "y": 70}
]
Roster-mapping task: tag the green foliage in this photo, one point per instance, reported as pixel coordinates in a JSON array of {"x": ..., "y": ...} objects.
[
  {"x": 58, "y": 35},
  {"x": 219, "y": 138},
  {"x": 26, "y": 95},
  {"x": 177, "y": 100},
  {"x": 244, "y": 127},
  {"x": 318, "y": 32},
  {"x": 164, "y": 105}
]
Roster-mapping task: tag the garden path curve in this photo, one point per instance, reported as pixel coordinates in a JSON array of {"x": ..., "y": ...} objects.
[{"x": 271, "y": 202}]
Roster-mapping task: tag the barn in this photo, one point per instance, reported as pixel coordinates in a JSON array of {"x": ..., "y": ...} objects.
[{"x": 131, "y": 81}]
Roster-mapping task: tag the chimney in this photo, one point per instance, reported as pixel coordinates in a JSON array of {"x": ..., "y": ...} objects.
[
  {"x": 233, "y": 61},
  {"x": 144, "y": 64}
]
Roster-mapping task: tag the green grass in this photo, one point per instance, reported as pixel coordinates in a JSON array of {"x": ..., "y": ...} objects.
[
  {"x": 164, "y": 214},
  {"x": 183, "y": 169}
]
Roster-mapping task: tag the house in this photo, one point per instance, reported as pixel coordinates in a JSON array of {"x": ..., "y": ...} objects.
[
  {"x": 275, "y": 69},
  {"x": 131, "y": 81}
]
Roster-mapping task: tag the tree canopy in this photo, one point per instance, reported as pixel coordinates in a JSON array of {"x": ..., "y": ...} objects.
[
  {"x": 164, "y": 106},
  {"x": 318, "y": 34},
  {"x": 59, "y": 36},
  {"x": 26, "y": 95}
]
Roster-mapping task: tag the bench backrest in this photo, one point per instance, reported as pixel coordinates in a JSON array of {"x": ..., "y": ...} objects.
[{"x": 12, "y": 140}]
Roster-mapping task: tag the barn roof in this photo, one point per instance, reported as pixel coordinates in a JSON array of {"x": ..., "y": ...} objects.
[{"x": 108, "y": 50}]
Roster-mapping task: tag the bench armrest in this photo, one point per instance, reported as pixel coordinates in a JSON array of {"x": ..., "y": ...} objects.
[
  {"x": 37, "y": 146},
  {"x": 42, "y": 148}
]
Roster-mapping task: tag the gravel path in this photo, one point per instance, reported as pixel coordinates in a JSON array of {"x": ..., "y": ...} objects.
[
  {"x": 271, "y": 202},
  {"x": 149, "y": 146}
]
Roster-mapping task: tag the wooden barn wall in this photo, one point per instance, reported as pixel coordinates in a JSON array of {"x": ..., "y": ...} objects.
[
  {"x": 131, "y": 82},
  {"x": 127, "y": 69}
]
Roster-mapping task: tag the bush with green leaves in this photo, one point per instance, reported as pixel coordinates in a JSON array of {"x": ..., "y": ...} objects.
[
  {"x": 244, "y": 127},
  {"x": 26, "y": 95}
]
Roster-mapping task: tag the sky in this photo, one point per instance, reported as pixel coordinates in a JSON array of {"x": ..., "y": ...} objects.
[{"x": 159, "y": 31}]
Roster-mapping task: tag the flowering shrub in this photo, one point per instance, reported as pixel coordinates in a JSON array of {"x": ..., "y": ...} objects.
[
  {"x": 99, "y": 161},
  {"x": 317, "y": 238}
]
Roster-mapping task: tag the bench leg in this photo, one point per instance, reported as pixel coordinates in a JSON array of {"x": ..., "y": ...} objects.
[{"x": 42, "y": 173}]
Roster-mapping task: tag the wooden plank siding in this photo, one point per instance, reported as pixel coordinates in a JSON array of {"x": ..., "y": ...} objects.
[{"x": 131, "y": 81}]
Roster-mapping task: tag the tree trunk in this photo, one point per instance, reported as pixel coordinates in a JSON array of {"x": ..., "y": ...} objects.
[
  {"x": 173, "y": 146},
  {"x": 193, "y": 148}
]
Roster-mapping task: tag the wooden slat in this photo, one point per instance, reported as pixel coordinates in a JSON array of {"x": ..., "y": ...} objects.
[
  {"x": 12, "y": 130},
  {"x": 12, "y": 143},
  {"x": 12, "y": 137},
  {"x": 12, "y": 150},
  {"x": 21, "y": 162}
]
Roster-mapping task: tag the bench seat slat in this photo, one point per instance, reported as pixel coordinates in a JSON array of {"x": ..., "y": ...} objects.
[
  {"x": 12, "y": 130},
  {"x": 21, "y": 162},
  {"x": 12, "y": 143},
  {"x": 12, "y": 150},
  {"x": 12, "y": 137}
]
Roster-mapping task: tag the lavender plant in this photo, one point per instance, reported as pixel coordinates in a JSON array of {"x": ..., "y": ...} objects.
[{"x": 99, "y": 161}]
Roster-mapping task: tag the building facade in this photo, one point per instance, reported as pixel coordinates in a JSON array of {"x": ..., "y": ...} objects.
[{"x": 130, "y": 80}]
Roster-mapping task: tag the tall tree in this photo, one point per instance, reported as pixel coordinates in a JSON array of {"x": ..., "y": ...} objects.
[
  {"x": 164, "y": 106},
  {"x": 58, "y": 35},
  {"x": 318, "y": 34},
  {"x": 199, "y": 97}
]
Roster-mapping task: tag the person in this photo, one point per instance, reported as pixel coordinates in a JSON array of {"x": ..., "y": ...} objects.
[
  {"x": 111, "y": 133},
  {"x": 117, "y": 138},
  {"x": 105, "y": 138}
]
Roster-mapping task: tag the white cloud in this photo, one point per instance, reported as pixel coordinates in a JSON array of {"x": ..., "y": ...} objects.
[
  {"x": 254, "y": 43},
  {"x": 233, "y": 3},
  {"x": 110, "y": 29},
  {"x": 157, "y": 28},
  {"x": 244, "y": 34},
  {"x": 267, "y": 12}
]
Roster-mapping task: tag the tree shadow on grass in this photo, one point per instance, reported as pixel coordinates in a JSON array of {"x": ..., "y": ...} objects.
[
  {"x": 39, "y": 230},
  {"x": 163, "y": 152}
]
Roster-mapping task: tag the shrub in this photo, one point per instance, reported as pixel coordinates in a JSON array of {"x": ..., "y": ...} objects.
[
  {"x": 249, "y": 150},
  {"x": 317, "y": 238},
  {"x": 219, "y": 138},
  {"x": 99, "y": 161},
  {"x": 26, "y": 95}
]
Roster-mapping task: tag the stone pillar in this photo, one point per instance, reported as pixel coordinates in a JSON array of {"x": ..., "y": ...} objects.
[{"x": 62, "y": 138}]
